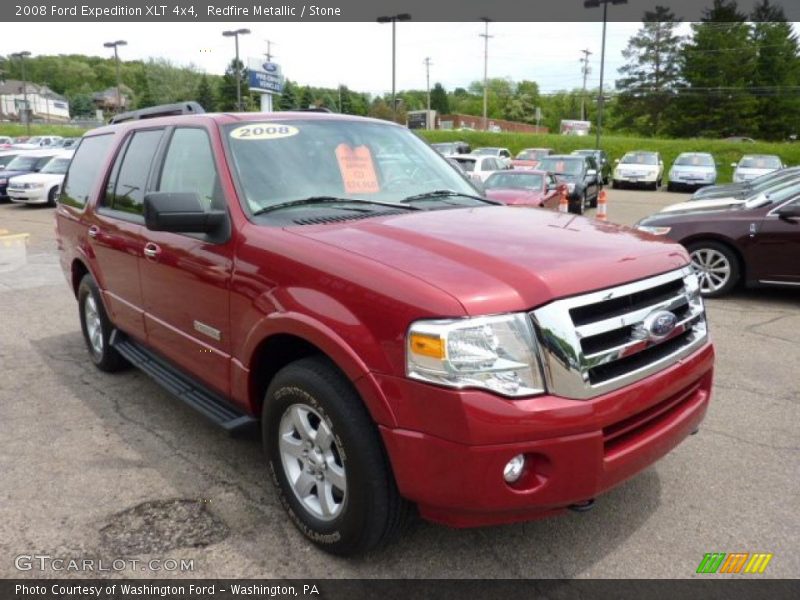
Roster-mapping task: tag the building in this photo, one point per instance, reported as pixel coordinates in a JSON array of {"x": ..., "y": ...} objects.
[
  {"x": 456, "y": 121},
  {"x": 44, "y": 103},
  {"x": 107, "y": 99}
]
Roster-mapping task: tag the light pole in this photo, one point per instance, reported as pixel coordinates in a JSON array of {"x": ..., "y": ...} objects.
[
  {"x": 600, "y": 97},
  {"x": 235, "y": 35},
  {"x": 393, "y": 19},
  {"x": 114, "y": 45},
  {"x": 21, "y": 56}
]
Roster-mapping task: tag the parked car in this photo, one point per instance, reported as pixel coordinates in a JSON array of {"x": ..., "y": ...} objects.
[
  {"x": 504, "y": 154},
  {"x": 602, "y": 160},
  {"x": 524, "y": 188},
  {"x": 5, "y": 141},
  {"x": 747, "y": 188},
  {"x": 37, "y": 142},
  {"x": 579, "y": 173},
  {"x": 779, "y": 187},
  {"x": 639, "y": 169},
  {"x": 754, "y": 165},
  {"x": 67, "y": 142},
  {"x": 692, "y": 170},
  {"x": 400, "y": 342},
  {"x": 6, "y": 156},
  {"x": 451, "y": 148},
  {"x": 529, "y": 157},
  {"x": 22, "y": 164},
  {"x": 478, "y": 167},
  {"x": 41, "y": 187},
  {"x": 757, "y": 242}
]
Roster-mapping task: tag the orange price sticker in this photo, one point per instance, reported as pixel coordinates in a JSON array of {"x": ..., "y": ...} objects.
[{"x": 357, "y": 169}]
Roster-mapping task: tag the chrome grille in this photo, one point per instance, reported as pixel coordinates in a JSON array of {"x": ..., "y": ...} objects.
[{"x": 599, "y": 342}]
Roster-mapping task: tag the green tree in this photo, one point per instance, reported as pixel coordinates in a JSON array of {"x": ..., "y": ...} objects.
[
  {"x": 227, "y": 89},
  {"x": 439, "y": 101},
  {"x": 307, "y": 98},
  {"x": 205, "y": 95},
  {"x": 777, "y": 73},
  {"x": 287, "y": 101},
  {"x": 345, "y": 100},
  {"x": 717, "y": 69},
  {"x": 144, "y": 97},
  {"x": 652, "y": 69},
  {"x": 81, "y": 105}
]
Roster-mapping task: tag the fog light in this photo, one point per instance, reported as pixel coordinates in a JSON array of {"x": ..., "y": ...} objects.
[{"x": 513, "y": 469}]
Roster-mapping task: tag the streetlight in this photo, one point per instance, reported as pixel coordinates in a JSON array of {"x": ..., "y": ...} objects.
[
  {"x": 114, "y": 45},
  {"x": 393, "y": 19},
  {"x": 235, "y": 35},
  {"x": 600, "y": 98},
  {"x": 21, "y": 56}
]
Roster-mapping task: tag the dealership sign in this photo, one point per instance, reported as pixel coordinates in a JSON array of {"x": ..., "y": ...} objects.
[{"x": 264, "y": 76}]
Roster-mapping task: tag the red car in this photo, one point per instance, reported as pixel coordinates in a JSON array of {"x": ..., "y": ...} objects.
[
  {"x": 401, "y": 340},
  {"x": 524, "y": 188},
  {"x": 529, "y": 158}
]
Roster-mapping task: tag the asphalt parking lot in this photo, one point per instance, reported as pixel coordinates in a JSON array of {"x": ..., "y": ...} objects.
[{"x": 101, "y": 466}]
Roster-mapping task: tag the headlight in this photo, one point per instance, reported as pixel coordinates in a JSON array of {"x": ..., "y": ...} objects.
[
  {"x": 654, "y": 230},
  {"x": 494, "y": 353},
  {"x": 33, "y": 186}
]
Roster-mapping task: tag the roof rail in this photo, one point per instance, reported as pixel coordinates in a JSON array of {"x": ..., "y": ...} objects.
[
  {"x": 163, "y": 110},
  {"x": 320, "y": 109}
]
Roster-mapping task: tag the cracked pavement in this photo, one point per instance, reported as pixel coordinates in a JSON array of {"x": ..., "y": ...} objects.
[{"x": 79, "y": 448}]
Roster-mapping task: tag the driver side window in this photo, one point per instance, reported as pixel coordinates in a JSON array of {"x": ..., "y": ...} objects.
[{"x": 189, "y": 167}]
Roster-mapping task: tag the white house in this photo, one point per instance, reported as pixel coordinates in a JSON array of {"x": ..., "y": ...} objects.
[{"x": 44, "y": 103}]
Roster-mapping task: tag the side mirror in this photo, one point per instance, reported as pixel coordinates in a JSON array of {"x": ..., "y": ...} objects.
[
  {"x": 180, "y": 213},
  {"x": 789, "y": 213}
]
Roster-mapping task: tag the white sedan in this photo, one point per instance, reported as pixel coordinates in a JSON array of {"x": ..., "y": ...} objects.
[
  {"x": 479, "y": 167},
  {"x": 41, "y": 187},
  {"x": 639, "y": 168},
  {"x": 755, "y": 165}
]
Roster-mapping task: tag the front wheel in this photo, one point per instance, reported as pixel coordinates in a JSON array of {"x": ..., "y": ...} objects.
[
  {"x": 716, "y": 266},
  {"x": 327, "y": 460},
  {"x": 51, "y": 197}
]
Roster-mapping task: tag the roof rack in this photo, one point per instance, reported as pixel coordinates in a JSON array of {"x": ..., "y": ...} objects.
[
  {"x": 320, "y": 109},
  {"x": 163, "y": 110}
]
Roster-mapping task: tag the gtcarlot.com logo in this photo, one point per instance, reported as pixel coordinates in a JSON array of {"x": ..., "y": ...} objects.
[{"x": 738, "y": 562}]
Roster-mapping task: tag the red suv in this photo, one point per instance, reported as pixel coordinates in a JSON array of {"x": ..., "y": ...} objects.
[{"x": 402, "y": 341}]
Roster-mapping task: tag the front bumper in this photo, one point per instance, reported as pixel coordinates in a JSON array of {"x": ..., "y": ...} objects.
[
  {"x": 449, "y": 453},
  {"x": 27, "y": 196}
]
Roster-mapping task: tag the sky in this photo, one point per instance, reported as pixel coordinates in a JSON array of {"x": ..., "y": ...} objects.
[{"x": 357, "y": 55}]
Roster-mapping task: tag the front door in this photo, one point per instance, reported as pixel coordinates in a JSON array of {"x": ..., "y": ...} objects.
[
  {"x": 186, "y": 277},
  {"x": 776, "y": 251}
]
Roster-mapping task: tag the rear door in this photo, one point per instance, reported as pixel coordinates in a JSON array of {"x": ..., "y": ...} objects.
[
  {"x": 116, "y": 230},
  {"x": 186, "y": 277},
  {"x": 775, "y": 255}
]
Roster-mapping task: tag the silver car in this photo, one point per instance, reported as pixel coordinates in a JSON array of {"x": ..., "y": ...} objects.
[{"x": 692, "y": 170}]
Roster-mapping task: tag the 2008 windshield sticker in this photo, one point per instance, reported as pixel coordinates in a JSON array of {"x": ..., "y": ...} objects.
[{"x": 263, "y": 131}]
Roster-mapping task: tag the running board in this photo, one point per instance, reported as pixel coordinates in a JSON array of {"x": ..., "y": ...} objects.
[{"x": 209, "y": 404}]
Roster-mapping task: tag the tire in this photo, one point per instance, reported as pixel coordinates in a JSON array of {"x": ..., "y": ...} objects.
[
  {"x": 717, "y": 266},
  {"x": 97, "y": 327},
  {"x": 362, "y": 508},
  {"x": 593, "y": 201},
  {"x": 614, "y": 184},
  {"x": 671, "y": 187},
  {"x": 52, "y": 196},
  {"x": 579, "y": 207}
]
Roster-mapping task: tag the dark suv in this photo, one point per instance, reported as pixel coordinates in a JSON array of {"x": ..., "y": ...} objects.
[
  {"x": 580, "y": 175},
  {"x": 402, "y": 342}
]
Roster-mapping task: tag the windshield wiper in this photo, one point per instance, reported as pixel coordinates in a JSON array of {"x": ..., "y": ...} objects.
[
  {"x": 445, "y": 194},
  {"x": 331, "y": 200}
]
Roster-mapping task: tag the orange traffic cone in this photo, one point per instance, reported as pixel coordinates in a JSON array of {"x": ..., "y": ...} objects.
[
  {"x": 602, "y": 206},
  {"x": 563, "y": 203}
]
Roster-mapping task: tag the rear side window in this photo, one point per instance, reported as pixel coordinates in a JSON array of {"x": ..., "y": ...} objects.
[
  {"x": 85, "y": 169},
  {"x": 189, "y": 167},
  {"x": 125, "y": 190}
]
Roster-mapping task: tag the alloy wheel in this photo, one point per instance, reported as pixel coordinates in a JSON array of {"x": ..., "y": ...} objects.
[
  {"x": 94, "y": 326},
  {"x": 713, "y": 269}
]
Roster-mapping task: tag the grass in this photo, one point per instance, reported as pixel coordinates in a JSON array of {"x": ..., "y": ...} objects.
[
  {"x": 724, "y": 152},
  {"x": 16, "y": 130}
]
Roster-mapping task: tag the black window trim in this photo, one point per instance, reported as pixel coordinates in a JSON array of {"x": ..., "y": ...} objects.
[{"x": 92, "y": 197}]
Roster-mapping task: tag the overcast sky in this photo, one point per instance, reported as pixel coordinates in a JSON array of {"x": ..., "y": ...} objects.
[{"x": 355, "y": 54}]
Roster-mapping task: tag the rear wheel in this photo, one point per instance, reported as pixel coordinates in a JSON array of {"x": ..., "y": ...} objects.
[
  {"x": 717, "y": 267},
  {"x": 97, "y": 327},
  {"x": 327, "y": 460}
]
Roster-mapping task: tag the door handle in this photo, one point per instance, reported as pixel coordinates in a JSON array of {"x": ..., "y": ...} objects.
[
  {"x": 152, "y": 250},
  {"x": 94, "y": 231}
]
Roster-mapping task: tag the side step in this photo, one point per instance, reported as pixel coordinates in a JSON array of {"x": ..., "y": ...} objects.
[{"x": 211, "y": 405}]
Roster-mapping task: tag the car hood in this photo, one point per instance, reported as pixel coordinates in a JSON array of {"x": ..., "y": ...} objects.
[
  {"x": 36, "y": 178},
  {"x": 702, "y": 205},
  {"x": 495, "y": 259},
  {"x": 752, "y": 172},
  {"x": 512, "y": 196}
]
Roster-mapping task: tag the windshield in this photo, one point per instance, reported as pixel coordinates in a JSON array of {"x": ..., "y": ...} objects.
[
  {"x": 760, "y": 162},
  {"x": 282, "y": 161},
  {"x": 694, "y": 160},
  {"x": 23, "y": 163},
  {"x": 774, "y": 195},
  {"x": 639, "y": 158},
  {"x": 34, "y": 140},
  {"x": 562, "y": 165},
  {"x": 514, "y": 181},
  {"x": 57, "y": 166},
  {"x": 764, "y": 182},
  {"x": 532, "y": 154},
  {"x": 486, "y": 151},
  {"x": 4, "y": 160}
]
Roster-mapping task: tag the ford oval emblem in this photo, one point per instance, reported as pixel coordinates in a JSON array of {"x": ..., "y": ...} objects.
[
  {"x": 660, "y": 324},
  {"x": 270, "y": 67}
]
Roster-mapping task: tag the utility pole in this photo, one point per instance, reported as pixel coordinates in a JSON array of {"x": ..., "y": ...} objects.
[
  {"x": 115, "y": 45},
  {"x": 428, "y": 64},
  {"x": 485, "y": 35},
  {"x": 585, "y": 69},
  {"x": 269, "y": 50},
  {"x": 21, "y": 56}
]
